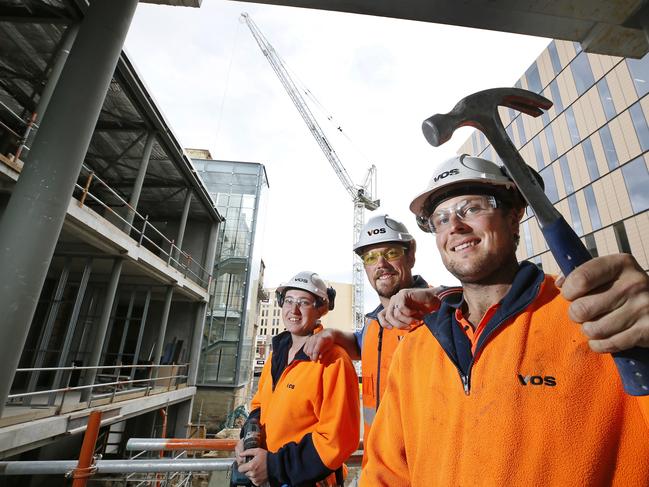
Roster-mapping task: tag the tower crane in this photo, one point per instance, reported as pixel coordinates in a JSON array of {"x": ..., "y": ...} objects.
[{"x": 362, "y": 195}]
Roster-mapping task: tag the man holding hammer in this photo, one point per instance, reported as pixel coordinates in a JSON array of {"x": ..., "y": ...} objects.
[{"x": 501, "y": 386}]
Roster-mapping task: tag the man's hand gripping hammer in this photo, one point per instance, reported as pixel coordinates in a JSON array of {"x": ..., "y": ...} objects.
[{"x": 480, "y": 110}]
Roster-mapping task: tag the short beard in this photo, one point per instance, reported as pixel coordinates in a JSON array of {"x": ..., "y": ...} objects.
[{"x": 389, "y": 293}]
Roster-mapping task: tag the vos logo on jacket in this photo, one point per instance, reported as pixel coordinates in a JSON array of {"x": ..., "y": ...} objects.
[{"x": 537, "y": 380}]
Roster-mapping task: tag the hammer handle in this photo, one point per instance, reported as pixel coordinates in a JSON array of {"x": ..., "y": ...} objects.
[{"x": 570, "y": 252}]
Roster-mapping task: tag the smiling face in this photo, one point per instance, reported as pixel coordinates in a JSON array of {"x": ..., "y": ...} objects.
[
  {"x": 300, "y": 319},
  {"x": 482, "y": 250},
  {"x": 387, "y": 277}
]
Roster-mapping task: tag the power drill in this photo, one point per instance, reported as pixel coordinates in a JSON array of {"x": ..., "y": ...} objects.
[{"x": 251, "y": 439}]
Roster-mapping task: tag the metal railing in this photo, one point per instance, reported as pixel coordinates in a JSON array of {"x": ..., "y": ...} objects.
[
  {"x": 21, "y": 139},
  {"x": 167, "y": 250},
  {"x": 110, "y": 384}
]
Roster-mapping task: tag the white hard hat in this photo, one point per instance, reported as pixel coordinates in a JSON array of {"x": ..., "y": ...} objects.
[
  {"x": 311, "y": 282},
  {"x": 382, "y": 229},
  {"x": 463, "y": 175}
]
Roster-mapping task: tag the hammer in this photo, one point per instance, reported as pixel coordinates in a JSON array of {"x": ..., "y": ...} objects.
[{"x": 480, "y": 110}]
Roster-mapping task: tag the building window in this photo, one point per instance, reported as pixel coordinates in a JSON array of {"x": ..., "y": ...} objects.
[
  {"x": 591, "y": 162},
  {"x": 572, "y": 126},
  {"x": 565, "y": 172},
  {"x": 606, "y": 99},
  {"x": 483, "y": 141},
  {"x": 591, "y": 246},
  {"x": 528, "y": 238},
  {"x": 593, "y": 211},
  {"x": 609, "y": 147},
  {"x": 636, "y": 179},
  {"x": 510, "y": 133},
  {"x": 640, "y": 124},
  {"x": 536, "y": 142},
  {"x": 621, "y": 238},
  {"x": 533, "y": 78},
  {"x": 556, "y": 96},
  {"x": 574, "y": 214},
  {"x": 639, "y": 69},
  {"x": 550, "y": 184},
  {"x": 582, "y": 73},
  {"x": 554, "y": 57},
  {"x": 552, "y": 146},
  {"x": 521, "y": 130}
]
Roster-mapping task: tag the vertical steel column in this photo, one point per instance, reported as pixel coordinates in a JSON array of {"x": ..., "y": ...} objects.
[
  {"x": 127, "y": 323},
  {"x": 197, "y": 338},
  {"x": 109, "y": 330},
  {"x": 72, "y": 326},
  {"x": 102, "y": 326},
  {"x": 140, "y": 335},
  {"x": 55, "y": 73},
  {"x": 159, "y": 346},
  {"x": 139, "y": 180},
  {"x": 183, "y": 221},
  {"x": 46, "y": 333},
  {"x": 32, "y": 221}
]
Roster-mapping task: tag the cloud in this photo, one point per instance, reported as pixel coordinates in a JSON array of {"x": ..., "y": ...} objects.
[{"x": 378, "y": 78}]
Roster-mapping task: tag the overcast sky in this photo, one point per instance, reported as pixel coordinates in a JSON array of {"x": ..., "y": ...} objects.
[{"x": 378, "y": 78}]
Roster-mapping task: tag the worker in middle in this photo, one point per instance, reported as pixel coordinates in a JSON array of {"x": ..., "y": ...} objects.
[
  {"x": 387, "y": 250},
  {"x": 308, "y": 409}
]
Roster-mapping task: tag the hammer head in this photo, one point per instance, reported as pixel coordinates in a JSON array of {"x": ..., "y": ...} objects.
[{"x": 480, "y": 110}]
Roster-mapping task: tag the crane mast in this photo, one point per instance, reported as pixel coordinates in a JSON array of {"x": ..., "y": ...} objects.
[{"x": 362, "y": 195}]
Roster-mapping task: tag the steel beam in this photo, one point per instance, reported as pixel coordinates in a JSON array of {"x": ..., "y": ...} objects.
[{"x": 32, "y": 221}]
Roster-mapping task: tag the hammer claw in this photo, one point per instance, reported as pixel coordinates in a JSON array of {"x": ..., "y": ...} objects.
[{"x": 528, "y": 105}]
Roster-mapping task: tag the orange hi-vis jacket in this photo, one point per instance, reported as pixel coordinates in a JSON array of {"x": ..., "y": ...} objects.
[
  {"x": 534, "y": 406},
  {"x": 309, "y": 412},
  {"x": 377, "y": 346}
]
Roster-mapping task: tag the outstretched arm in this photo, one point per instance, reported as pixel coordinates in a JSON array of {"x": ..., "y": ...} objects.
[
  {"x": 318, "y": 344},
  {"x": 409, "y": 306},
  {"x": 610, "y": 298}
]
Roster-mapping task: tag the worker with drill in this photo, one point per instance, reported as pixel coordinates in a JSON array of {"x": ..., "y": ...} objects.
[
  {"x": 502, "y": 386},
  {"x": 387, "y": 250},
  {"x": 308, "y": 409}
]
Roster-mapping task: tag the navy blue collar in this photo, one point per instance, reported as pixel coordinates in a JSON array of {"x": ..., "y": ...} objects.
[
  {"x": 443, "y": 325},
  {"x": 281, "y": 345}
]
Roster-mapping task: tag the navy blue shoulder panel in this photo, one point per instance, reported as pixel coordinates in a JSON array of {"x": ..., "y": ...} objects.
[
  {"x": 281, "y": 345},
  {"x": 296, "y": 464}
]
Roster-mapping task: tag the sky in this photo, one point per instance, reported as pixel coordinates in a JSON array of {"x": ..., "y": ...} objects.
[{"x": 376, "y": 78}]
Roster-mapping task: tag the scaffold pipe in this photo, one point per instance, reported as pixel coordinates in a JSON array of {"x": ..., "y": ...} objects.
[
  {"x": 54, "y": 467},
  {"x": 189, "y": 444}
]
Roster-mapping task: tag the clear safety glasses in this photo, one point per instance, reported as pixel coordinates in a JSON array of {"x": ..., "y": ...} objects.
[
  {"x": 373, "y": 256},
  {"x": 466, "y": 210},
  {"x": 303, "y": 303}
]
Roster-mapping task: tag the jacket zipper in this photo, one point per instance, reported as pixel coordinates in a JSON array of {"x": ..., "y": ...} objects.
[
  {"x": 466, "y": 379},
  {"x": 378, "y": 368}
]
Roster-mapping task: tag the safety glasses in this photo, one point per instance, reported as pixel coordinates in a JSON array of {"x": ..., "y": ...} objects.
[
  {"x": 466, "y": 210},
  {"x": 303, "y": 303},
  {"x": 392, "y": 253}
]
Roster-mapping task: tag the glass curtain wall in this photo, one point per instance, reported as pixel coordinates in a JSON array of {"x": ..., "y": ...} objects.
[{"x": 238, "y": 189}]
